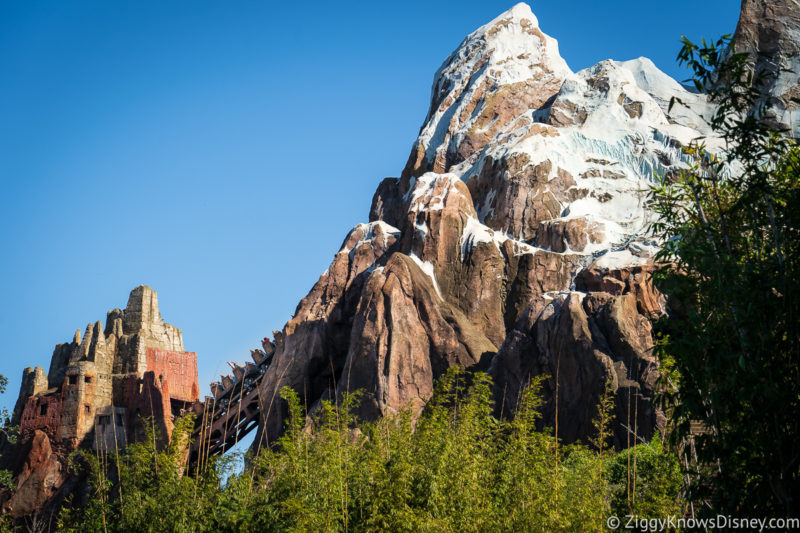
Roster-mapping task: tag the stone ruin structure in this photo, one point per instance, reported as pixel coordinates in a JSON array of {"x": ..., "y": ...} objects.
[{"x": 98, "y": 392}]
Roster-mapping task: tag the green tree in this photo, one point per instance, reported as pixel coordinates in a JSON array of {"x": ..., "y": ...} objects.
[
  {"x": 8, "y": 436},
  {"x": 729, "y": 263},
  {"x": 645, "y": 481}
]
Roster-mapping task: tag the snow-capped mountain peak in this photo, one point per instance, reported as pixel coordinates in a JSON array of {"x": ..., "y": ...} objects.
[
  {"x": 473, "y": 91},
  {"x": 544, "y": 150}
]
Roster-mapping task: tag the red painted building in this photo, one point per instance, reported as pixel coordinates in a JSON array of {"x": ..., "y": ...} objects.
[{"x": 41, "y": 412}]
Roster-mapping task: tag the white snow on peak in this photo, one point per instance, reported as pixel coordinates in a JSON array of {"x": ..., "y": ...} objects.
[
  {"x": 475, "y": 233},
  {"x": 505, "y": 94},
  {"x": 510, "y": 49},
  {"x": 519, "y": 11},
  {"x": 429, "y": 191},
  {"x": 501, "y": 42},
  {"x": 369, "y": 234},
  {"x": 427, "y": 268},
  {"x": 619, "y": 138},
  {"x": 650, "y": 78},
  {"x": 695, "y": 110},
  {"x": 619, "y": 259}
]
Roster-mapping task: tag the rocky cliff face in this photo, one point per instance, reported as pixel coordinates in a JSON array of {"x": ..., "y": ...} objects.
[
  {"x": 514, "y": 241},
  {"x": 772, "y": 27}
]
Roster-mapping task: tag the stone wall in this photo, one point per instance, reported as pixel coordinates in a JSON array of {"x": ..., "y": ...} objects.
[
  {"x": 179, "y": 369},
  {"x": 42, "y": 413},
  {"x": 34, "y": 381},
  {"x": 78, "y": 393}
]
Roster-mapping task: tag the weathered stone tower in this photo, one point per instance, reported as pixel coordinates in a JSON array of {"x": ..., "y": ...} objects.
[{"x": 98, "y": 391}]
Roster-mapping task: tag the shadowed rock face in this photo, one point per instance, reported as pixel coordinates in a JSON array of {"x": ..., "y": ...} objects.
[
  {"x": 41, "y": 474},
  {"x": 580, "y": 341}
]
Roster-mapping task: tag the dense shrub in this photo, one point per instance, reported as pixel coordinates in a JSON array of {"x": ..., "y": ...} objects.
[{"x": 457, "y": 469}]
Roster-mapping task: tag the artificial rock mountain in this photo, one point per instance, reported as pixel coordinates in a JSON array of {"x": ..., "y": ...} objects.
[{"x": 514, "y": 241}]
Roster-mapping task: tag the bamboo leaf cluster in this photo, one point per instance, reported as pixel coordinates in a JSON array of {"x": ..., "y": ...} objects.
[{"x": 455, "y": 468}]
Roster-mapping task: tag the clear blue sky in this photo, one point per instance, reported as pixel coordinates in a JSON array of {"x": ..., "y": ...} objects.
[{"x": 220, "y": 151}]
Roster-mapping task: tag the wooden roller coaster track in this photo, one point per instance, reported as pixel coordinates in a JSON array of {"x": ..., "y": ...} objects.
[{"x": 232, "y": 411}]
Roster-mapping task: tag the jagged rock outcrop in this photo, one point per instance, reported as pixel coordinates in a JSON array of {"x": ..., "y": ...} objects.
[
  {"x": 514, "y": 241},
  {"x": 773, "y": 29},
  {"x": 95, "y": 393},
  {"x": 580, "y": 341},
  {"x": 34, "y": 382},
  {"x": 40, "y": 476}
]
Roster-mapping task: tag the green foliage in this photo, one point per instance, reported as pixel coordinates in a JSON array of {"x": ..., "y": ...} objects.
[
  {"x": 8, "y": 434},
  {"x": 605, "y": 415},
  {"x": 731, "y": 265},
  {"x": 645, "y": 481},
  {"x": 457, "y": 468},
  {"x": 144, "y": 489},
  {"x": 5, "y": 419},
  {"x": 6, "y": 480}
]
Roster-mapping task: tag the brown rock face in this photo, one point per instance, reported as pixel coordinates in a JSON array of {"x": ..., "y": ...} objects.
[
  {"x": 580, "y": 342},
  {"x": 635, "y": 279},
  {"x": 529, "y": 194},
  {"x": 40, "y": 477},
  {"x": 310, "y": 352},
  {"x": 446, "y": 290},
  {"x": 435, "y": 295},
  {"x": 573, "y": 234},
  {"x": 773, "y": 29},
  {"x": 404, "y": 337}
]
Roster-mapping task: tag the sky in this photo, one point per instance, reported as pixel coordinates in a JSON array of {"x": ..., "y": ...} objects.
[{"x": 220, "y": 151}]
